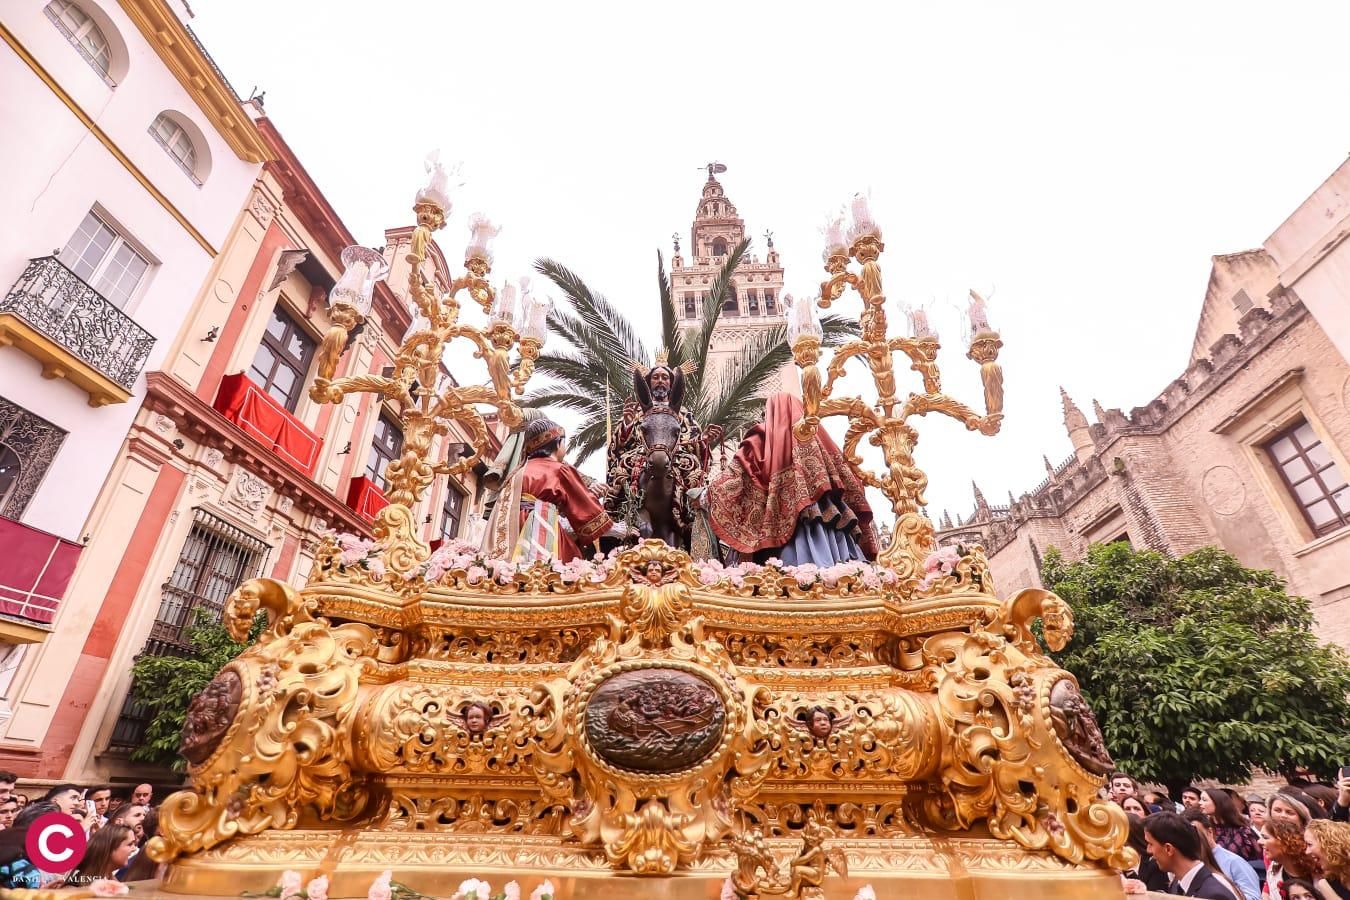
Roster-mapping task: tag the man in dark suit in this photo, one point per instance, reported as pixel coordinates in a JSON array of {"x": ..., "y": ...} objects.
[{"x": 1176, "y": 848}]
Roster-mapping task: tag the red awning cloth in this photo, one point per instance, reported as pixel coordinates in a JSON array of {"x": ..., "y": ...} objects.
[
  {"x": 365, "y": 498},
  {"x": 35, "y": 571},
  {"x": 248, "y": 406}
]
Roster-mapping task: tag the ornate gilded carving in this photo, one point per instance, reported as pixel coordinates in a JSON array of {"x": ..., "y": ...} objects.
[
  {"x": 758, "y": 874},
  {"x": 286, "y": 754}
]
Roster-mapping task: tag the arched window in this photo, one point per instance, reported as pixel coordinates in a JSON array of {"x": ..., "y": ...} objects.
[
  {"x": 10, "y": 468},
  {"x": 184, "y": 142},
  {"x": 84, "y": 35},
  {"x": 719, "y": 247}
]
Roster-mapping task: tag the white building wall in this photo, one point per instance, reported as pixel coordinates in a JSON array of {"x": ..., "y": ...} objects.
[{"x": 55, "y": 171}]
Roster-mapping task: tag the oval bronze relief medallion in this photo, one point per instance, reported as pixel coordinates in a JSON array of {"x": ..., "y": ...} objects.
[{"x": 654, "y": 720}]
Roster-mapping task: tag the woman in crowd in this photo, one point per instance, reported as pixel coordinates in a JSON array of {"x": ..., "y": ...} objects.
[
  {"x": 1287, "y": 808},
  {"x": 1256, "y": 812},
  {"x": 1146, "y": 876},
  {"x": 1329, "y": 844},
  {"x": 1231, "y": 830},
  {"x": 16, "y": 871},
  {"x": 142, "y": 867},
  {"x": 1284, "y": 846},
  {"x": 1134, "y": 806},
  {"x": 1299, "y": 889},
  {"x": 108, "y": 850},
  {"x": 22, "y": 800}
]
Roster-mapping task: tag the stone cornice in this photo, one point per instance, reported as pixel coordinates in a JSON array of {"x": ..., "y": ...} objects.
[
  {"x": 195, "y": 71},
  {"x": 200, "y": 421}
]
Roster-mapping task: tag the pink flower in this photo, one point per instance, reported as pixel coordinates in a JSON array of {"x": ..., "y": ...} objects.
[
  {"x": 543, "y": 892},
  {"x": 375, "y": 566},
  {"x": 317, "y": 889},
  {"x": 708, "y": 577},
  {"x": 473, "y": 889},
  {"x": 382, "y": 888},
  {"x": 865, "y": 893},
  {"x": 106, "y": 887},
  {"x": 512, "y": 891},
  {"x": 729, "y": 890},
  {"x": 476, "y": 574},
  {"x": 290, "y": 884}
]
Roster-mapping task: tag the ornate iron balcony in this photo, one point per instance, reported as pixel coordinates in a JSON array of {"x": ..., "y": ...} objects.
[{"x": 58, "y": 303}]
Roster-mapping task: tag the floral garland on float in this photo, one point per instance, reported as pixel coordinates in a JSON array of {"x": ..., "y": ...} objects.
[{"x": 460, "y": 564}]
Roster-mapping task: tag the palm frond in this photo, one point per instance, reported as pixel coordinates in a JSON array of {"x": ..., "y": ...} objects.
[
  {"x": 670, "y": 316},
  {"x": 614, "y": 333},
  {"x": 694, "y": 345},
  {"x": 759, "y": 360},
  {"x": 566, "y": 400},
  {"x": 838, "y": 329}
]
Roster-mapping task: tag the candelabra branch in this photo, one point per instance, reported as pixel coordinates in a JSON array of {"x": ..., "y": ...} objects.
[
  {"x": 884, "y": 422},
  {"x": 429, "y": 404}
]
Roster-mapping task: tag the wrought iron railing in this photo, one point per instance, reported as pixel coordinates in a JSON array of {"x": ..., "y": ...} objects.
[{"x": 59, "y": 303}]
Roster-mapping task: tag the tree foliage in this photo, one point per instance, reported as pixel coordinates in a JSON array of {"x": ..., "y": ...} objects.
[
  {"x": 167, "y": 684},
  {"x": 603, "y": 344},
  {"x": 1199, "y": 667}
]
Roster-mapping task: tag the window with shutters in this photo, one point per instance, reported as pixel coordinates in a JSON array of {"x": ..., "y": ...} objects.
[
  {"x": 281, "y": 364},
  {"x": 452, "y": 512},
  {"x": 84, "y": 35},
  {"x": 385, "y": 448},
  {"x": 176, "y": 141},
  {"x": 105, "y": 260},
  {"x": 1311, "y": 476}
]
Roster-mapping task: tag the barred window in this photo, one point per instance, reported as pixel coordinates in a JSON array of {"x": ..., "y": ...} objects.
[{"x": 216, "y": 558}]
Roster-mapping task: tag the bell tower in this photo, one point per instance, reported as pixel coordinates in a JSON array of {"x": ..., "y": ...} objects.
[{"x": 755, "y": 304}]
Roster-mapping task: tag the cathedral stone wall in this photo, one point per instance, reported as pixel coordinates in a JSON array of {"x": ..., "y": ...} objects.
[{"x": 1191, "y": 468}]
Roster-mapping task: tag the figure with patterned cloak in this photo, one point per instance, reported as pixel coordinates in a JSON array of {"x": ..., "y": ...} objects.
[
  {"x": 526, "y": 522},
  {"x": 797, "y": 502}
]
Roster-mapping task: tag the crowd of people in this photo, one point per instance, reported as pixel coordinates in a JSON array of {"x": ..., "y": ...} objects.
[
  {"x": 1217, "y": 844},
  {"x": 116, "y": 828}
]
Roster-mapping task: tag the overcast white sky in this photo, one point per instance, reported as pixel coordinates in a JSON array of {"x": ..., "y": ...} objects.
[{"x": 1081, "y": 161}]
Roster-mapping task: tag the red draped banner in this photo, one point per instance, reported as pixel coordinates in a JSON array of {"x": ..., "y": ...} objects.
[{"x": 248, "y": 406}]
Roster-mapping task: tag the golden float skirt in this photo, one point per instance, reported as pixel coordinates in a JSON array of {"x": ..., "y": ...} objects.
[
  {"x": 640, "y": 732},
  {"x": 959, "y": 868}
]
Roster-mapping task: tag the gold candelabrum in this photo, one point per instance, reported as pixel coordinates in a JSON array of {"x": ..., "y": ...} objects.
[
  {"x": 886, "y": 421},
  {"x": 428, "y": 402}
]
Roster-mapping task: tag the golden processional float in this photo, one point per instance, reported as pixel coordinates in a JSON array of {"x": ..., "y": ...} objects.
[{"x": 748, "y": 731}]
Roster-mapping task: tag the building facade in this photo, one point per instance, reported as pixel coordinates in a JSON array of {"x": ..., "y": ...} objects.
[
  {"x": 1247, "y": 450},
  {"x": 127, "y": 160},
  {"x": 753, "y": 311},
  {"x": 228, "y": 471}
]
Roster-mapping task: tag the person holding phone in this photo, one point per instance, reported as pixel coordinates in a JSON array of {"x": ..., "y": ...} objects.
[{"x": 1340, "y": 810}]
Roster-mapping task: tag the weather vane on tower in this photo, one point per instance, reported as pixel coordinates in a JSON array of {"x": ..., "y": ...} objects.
[{"x": 715, "y": 168}]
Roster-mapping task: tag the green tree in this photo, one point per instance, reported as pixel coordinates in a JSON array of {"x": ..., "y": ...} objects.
[
  {"x": 603, "y": 344},
  {"x": 1199, "y": 667},
  {"x": 167, "y": 684}
]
